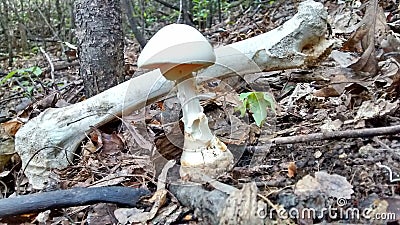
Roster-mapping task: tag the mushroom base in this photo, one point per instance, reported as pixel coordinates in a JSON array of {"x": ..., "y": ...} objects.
[{"x": 211, "y": 161}]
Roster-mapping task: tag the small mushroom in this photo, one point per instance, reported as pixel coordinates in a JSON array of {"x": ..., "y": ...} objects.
[{"x": 179, "y": 50}]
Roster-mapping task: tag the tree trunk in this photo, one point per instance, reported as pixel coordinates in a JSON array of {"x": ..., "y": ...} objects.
[
  {"x": 100, "y": 42},
  {"x": 186, "y": 13},
  {"x": 72, "y": 18},
  {"x": 133, "y": 23},
  {"x": 209, "y": 19},
  {"x": 7, "y": 32}
]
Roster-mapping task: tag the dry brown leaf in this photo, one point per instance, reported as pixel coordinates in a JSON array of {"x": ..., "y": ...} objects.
[
  {"x": 373, "y": 24},
  {"x": 292, "y": 169},
  {"x": 354, "y": 43},
  {"x": 329, "y": 185},
  {"x": 344, "y": 59},
  {"x": 89, "y": 148},
  {"x": 112, "y": 143},
  {"x": 330, "y": 125},
  {"x": 344, "y": 19},
  {"x": 134, "y": 215},
  {"x": 137, "y": 136},
  {"x": 336, "y": 88},
  {"x": 11, "y": 127},
  {"x": 373, "y": 109},
  {"x": 100, "y": 214},
  {"x": 96, "y": 138},
  {"x": 328, "y": 91},
  {"x": 394, "y": 89},
  {"x": 47, "y": 102}
]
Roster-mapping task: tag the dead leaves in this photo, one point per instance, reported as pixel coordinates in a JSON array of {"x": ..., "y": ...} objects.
[
  {"x": 375, "y": 109},
  {"x": 292, "y": 169},
  {"x": 324, "y": 184},
  {"x": 371, "y": 30},
  {"x": 7, "y": 150},
  {"x": 134, "y": 215},
  {"x": 108, "y": 143}
]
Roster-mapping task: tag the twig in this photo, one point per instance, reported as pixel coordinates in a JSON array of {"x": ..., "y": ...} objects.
[
  {"x": 390, "y": 173},
  {"x": 180, "y": 11},
  {"x": 62, "y": 66},
  {"x": 12, "y": 98},
  {"x": 366, "y": 132},
  {"x": 47, "y": 22},
  {"x": 50, "y": 62},
  {"x": 169, "y": 5}
]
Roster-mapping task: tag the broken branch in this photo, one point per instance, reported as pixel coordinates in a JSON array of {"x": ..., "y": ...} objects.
[{"x": 366, "y": 132}]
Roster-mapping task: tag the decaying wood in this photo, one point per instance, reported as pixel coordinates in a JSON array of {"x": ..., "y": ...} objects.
[
  {"x": 57, "y": 132},
  {"x": 216, "y": 207}
]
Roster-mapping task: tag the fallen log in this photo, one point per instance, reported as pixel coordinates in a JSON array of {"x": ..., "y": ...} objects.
[
  {"x": 43, "y": 201},
  {"x": 49, "y": 140}
]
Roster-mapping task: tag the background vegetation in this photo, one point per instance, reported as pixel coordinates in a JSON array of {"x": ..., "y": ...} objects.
[{"x": 26, "y": 25}]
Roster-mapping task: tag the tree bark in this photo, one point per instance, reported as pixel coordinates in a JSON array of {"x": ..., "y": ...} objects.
[
  {"x": 7, "y": 32},
  {"x": 72, "y": 18},
  {"x": 100, "y": 42}
]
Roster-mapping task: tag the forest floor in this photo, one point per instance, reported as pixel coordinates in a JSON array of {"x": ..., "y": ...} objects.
[{"x": 334, "y": 95}]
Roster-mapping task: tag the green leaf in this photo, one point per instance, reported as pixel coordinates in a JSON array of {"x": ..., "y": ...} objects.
[
  {"x": 242, "y": 108},
  {"x": 37, "y": 71},
  {"x": 29, "y": 90},
  {"x": 270, "y": 100},
  {"x": 258, "y": 107},
  {"x": 257, "y": 103},
  {"x": 35, "y": 49},
  {"x": 243, "y": 96},
  {"x": 9, "y": 75}
]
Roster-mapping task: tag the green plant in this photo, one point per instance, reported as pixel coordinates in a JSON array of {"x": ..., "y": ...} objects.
[
  {"x": 201, "y": 8},
  {"x": 258, "y": 104},
  {"x": 34, "y": 70},
  {"x": 35, "y": 50}
]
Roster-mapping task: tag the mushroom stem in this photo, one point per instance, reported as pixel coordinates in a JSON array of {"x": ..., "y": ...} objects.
[
  {"x": 179, "y": 50},
  {"x": 195, "y": 121},
  {"x": 203, "y": 153}
]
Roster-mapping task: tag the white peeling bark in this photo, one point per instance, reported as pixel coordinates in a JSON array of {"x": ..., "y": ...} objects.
[{"x": 52, "y": 137}]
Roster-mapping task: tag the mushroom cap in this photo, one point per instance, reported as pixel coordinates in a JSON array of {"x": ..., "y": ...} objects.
[{"x": 177, "y": 50}]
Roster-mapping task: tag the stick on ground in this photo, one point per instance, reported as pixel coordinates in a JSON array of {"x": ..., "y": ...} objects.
[
  {"x": 357, "y": 133},
  {"x": 67, "y": 198}
]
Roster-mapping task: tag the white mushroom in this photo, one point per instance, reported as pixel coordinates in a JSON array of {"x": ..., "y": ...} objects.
[{"x": 178, "y": 50}]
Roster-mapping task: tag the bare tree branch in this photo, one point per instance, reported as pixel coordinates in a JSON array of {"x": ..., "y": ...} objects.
[{"x": 366, "y": 132}]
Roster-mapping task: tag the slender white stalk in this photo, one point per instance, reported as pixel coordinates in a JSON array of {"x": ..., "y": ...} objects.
[
  {"x": 196, "y": 123},
  {"x": 203, "y": 153}
]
